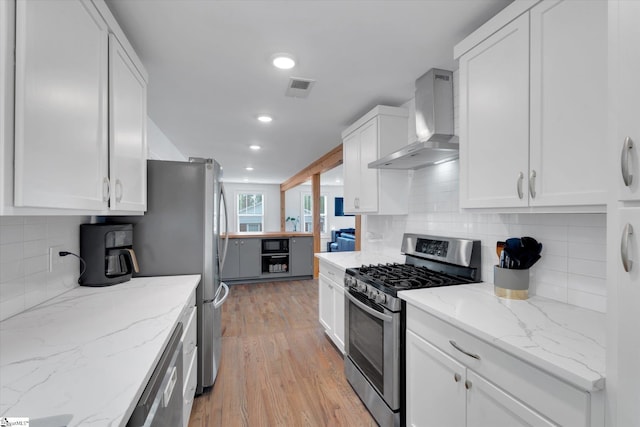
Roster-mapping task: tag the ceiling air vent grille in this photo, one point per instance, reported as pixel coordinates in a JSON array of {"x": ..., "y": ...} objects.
[{"x": 299, "y": 88}]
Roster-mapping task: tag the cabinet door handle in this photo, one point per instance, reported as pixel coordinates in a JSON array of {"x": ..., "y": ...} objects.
[
  {"x": 627, "y": 263},
  {"x": 627, "y": 176},
  {"x": 461, "y": 350},
  {"x": 467, "y": 384},
  {"x": 106, "y": 189},
  {"x": 118, "y": 190},
  {"x": 532, "y": 183},
  {"x": 519, "y": 185},
  {"x": 457, "y": 377}
]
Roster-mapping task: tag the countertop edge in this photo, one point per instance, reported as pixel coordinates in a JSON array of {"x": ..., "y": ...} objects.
[
  {"x": 578, "y": 381},
  {"x": 266, "y": 234}
]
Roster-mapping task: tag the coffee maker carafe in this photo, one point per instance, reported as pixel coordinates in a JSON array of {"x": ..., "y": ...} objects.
[{"x": 107, "y": 250}]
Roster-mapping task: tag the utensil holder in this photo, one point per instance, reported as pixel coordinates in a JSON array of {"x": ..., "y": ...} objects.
[{"x": 511, "y": 283}]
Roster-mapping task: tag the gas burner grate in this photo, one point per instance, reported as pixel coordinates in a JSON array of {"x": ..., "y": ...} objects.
[{"x": 407, "y": 276}]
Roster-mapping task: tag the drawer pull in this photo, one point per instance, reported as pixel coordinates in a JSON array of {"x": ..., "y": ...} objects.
[
  {"x": 457, "y": 377},
  {"x": 627, "y": 263},
  {"x": 467, "y": 384},
  {"x": 461, "y": 350}
]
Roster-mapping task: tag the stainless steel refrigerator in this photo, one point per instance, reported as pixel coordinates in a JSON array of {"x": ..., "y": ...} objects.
[{"x": 180, "y": 234}]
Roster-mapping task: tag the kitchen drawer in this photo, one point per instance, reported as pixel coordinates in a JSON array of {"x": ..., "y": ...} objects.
[
  {"x": 186, "y": 311},
  {"x": 189, "y": 391},
  {"x": 189, "y": 340},
  {"x": 560, "y": 402},
  {"x": 332, "y": 272}
]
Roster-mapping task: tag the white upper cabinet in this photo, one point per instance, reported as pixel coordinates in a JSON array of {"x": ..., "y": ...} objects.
[
  {"x": 361, "y": 148},
  {"x": 375, "y": 191},
  {"x": 127, "y": 131},
  {"x": 79, "y": 103},
  {"x": 568, "y": 103},
  {"x": 494, "y": 118},
  {"x": 533, "y": 107},
  {"x": 61, "y": 105},
  {"x": 626, "y": 77}
]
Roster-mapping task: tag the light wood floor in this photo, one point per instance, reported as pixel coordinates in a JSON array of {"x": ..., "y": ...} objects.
[{"x": 277, "y": 368}]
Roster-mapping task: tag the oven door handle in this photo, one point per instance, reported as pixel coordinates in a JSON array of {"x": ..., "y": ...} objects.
[{"x": 367, "y": 309}]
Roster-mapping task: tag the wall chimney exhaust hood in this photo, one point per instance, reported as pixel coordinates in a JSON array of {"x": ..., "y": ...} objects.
[{"x": 434, "y": 126}]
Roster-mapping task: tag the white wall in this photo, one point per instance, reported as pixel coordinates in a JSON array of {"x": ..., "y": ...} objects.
[
  {"x": 271, "y": 197},
  {"x": 573, "y": 264},
  {"x": 161, "y": 147},
  {"x": 24, "y": 260}
]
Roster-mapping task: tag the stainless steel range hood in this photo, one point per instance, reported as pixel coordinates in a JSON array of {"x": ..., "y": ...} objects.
[{"x": 434, "y": 126}]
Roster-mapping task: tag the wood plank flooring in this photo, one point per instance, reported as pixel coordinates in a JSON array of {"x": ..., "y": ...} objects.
[{"x": 277, "y": 368}]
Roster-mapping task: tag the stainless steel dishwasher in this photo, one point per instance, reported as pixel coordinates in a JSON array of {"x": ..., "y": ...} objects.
[{"x": 161, "y": 402}]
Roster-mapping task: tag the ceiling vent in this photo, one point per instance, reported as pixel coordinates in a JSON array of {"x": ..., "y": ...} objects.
[{"x": 299, "y": 88}]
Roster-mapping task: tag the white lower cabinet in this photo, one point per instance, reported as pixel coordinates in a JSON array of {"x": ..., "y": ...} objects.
[
  {"x": 189, "y": 357},
  {"x": 443, "y": 392},
  {"x": 488, "y": 405},
  {"x": 331, "y": 303},
  {"x": 435, "y": 389},
  {"x": 453, "y": 379}
]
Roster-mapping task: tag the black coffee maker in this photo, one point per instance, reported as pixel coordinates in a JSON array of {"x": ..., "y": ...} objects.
[{"x": 107, "y": 250}]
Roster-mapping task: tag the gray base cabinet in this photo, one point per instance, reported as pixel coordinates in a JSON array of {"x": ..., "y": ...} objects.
[
  {"x": 301, "y": 254},
  {"x": 243, "y": 259}
]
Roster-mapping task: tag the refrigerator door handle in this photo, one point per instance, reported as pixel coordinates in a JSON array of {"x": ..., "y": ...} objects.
[
  {"x": 223, "y": 197},
  {"x": 218, "y": 302}
]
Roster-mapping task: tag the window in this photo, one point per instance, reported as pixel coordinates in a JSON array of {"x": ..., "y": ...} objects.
[
  {"x": 307, "y": 214},
  {"x": 250, "y": 212}
]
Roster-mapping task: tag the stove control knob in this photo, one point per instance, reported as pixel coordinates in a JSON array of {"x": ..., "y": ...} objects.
[
  {"x": 381, "y": 298},
  {"x": 361, "y": 287},
  {"x": 349, "y": 280}
]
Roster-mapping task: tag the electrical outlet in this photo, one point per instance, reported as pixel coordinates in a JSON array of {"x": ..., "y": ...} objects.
[{"x": 55, "y": 260}]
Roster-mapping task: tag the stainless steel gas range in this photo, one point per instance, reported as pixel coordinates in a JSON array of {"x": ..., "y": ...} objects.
[{"x": 375, "y": 319}]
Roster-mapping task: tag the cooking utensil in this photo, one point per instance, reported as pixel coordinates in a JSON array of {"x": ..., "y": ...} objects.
[
  {"x": 499, "y": 248},
  {"x": 521, "y": 253}
]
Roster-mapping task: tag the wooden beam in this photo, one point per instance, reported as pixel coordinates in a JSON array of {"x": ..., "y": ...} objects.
[
  {"x": 358, "y": 232},
  {"x": 283, "y": 223},
  {"x": 315, "y": 190},
  {"x": 327, "y": 162}
]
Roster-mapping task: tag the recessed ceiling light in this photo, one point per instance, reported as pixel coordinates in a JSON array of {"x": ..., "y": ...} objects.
[
  {"x": 255, "y": 147},
  {"x": 284, "y": 61},
  {"x": 264, "y": 118},
  {"x": 249, "y": 168}
]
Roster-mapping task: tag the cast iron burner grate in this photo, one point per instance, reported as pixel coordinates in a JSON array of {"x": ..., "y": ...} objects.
[{"x": 407, "y": 276}]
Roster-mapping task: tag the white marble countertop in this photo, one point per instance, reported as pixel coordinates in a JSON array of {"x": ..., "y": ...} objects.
[
  {"x": 89, "y": 352},
  {"x": 351, "y": 259},
  {"x": 564, "y": 340}
]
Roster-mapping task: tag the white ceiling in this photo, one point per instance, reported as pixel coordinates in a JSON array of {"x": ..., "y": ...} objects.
[{"x": 210, "y": 71}]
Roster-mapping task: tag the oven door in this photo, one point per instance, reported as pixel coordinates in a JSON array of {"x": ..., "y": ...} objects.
[{"x": 372, "y": 342}]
